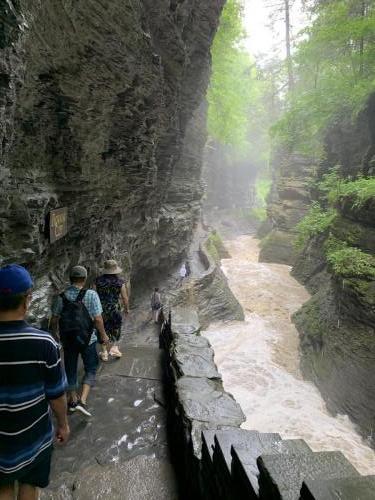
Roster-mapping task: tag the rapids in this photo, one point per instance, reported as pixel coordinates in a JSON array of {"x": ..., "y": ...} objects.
[{"x": 259, "y": 359}]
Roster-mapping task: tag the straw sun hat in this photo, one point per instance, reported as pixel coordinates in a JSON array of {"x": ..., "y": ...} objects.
[{"x": 111, "y": 267}]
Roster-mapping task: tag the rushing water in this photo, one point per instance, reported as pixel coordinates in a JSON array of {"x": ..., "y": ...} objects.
[{"x": 259, "y": 359}]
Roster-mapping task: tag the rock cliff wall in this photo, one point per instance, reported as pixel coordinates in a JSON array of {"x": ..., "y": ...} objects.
[
  {"x": 102, "y": 111},
  {"x": 289, "y": 200},
  {"x": 336, "y": 325}
]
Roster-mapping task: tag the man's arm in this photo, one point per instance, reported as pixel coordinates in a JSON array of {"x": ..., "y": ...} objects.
[
  {"x": 99, "y": 325},
  {"x": 59, "y": 408}
]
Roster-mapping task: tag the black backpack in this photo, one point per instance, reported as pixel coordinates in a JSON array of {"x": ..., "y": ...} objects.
[{"x": 75, "y": 323}]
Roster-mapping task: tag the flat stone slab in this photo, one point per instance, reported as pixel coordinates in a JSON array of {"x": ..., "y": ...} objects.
[
  {"x": 143, "y": 362},
  {"x": 356, "y": 488},
  {"x": 281, "y": 476},
  {"x": 204, "y": 400},
  {"x": 126, "y": 422},
  {"x": 244, "y": 458},
  {"x": 185, "y": 320},
  {"x": 192, "y": 341},
  {"x": 143, "y": 477},
  {"x": 193, "y": 362}
]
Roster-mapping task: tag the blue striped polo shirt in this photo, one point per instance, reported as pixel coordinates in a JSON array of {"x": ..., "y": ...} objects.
[{"x": 30, "y": 375}]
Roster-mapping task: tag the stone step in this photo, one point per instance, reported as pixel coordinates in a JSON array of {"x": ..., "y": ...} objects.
[
  {"x": 281, "y": 476},
  {"x": 251, "y": 441},
  {"x": 208, "y": 443},
  {"x": 244, "y": 464},
  {"x": 356, "y": 488},
  {"x": 209, "y": 479}
]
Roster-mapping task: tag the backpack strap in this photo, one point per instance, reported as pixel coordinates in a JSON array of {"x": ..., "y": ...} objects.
[
  {"x": 64, "y": 298},
  {"x": 81, "y": 295}
]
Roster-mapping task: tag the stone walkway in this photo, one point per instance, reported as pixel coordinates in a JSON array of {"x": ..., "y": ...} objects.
[{"x": 122, "y": 451}]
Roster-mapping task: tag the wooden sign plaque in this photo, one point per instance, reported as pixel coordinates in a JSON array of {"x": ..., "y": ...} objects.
[{"x": 58, "y": 224}]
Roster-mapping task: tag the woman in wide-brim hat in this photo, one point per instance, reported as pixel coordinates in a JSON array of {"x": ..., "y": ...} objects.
[{"x": 112, "y": 289}]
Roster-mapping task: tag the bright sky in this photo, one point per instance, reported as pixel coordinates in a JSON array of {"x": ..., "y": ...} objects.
[{"x": 261, "y": 39}]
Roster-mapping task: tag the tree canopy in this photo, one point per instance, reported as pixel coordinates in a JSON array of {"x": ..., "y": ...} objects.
[
  {"x": 334, "y": 66},
  {"x": 236, "y": 116}
]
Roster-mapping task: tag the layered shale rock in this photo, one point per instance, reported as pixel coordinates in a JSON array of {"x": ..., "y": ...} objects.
[
  {"x": 289, "y": 201},
  {"x": 336, "y": 325},
  {"x": 102, "y": 111}
]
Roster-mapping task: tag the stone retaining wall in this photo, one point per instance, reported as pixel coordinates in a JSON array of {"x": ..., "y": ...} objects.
[{"x": 215, "y": 459}]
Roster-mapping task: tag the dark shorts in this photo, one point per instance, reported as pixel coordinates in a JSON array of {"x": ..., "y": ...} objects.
[
  {"x": 90, "y": 363},
  {"x": 36, "y": 474}
]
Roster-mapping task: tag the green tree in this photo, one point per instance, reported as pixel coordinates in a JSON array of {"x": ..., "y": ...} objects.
[
  {"x": 239, "y": 103},
  {"x": 334, "y": 70}
]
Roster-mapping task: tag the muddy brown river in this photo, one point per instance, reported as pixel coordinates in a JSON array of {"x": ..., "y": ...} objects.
[{"x": 259, "y": 359}]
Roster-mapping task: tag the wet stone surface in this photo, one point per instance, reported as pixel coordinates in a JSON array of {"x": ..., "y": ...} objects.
[
  {"x": 361, "y": 488},
  {"x": 185, "y": 321},
  {"x": 281, "y": 476},
  {"x": 121, "y": 452},
  {"x": 204, "y": 400},
  {"x": 194, "y": 362},
  {"x": 244, "y": 457}
]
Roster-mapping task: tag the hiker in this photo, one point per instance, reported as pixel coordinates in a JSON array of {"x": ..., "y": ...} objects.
[
  {"x": 155, "y": 304},
  {"x": 182, "y": 272},
  {"x": 31, "y": 382},
  {"x": 188, "y": 268},
  {"x": 77, "y": 315},
  {"x": 111, "y": 288}
]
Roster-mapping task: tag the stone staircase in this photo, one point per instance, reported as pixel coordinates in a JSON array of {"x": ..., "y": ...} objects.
[{"x": 216, "y": 459}]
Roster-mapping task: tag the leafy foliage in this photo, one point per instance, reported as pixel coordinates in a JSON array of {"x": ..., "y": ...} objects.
[
  {"x": 359, "y": 191},
  {"x": 315, "y": 222},
  {"x": 349, "y": 262},
  {"x": 215, "y": 246},
  {"x": 237, "y": 115},
  {"x": 228, "y": 102},
  {"x": 334, "y": 69},
  {"x": 344, "y": 258}
]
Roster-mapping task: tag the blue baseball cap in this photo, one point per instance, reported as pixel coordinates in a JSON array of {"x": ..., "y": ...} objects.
[{"x": 14, "y": 279}]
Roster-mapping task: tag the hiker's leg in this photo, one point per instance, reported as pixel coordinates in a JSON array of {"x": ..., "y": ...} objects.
[
  {"x": 71, "y": 367},
  {"x": 157, "y": 315},
  {"x": 7, "y": 492},
  {"x": 28, "y": 492},
  {"x": 90, "y": 363}
]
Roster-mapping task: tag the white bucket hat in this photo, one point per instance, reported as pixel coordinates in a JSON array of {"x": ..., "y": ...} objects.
[{"x": 111, "y": 267}]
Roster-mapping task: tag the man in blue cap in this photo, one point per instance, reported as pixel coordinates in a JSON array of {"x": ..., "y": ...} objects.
[{"x": 31, "y": 381}]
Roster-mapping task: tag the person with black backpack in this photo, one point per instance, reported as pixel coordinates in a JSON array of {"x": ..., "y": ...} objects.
[{"x": 76, "y": 321}]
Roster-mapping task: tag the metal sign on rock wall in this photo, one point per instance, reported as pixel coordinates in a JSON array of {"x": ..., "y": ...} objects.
[{"x": 58, "y": 224}]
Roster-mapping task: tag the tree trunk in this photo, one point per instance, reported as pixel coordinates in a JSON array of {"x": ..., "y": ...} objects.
[{"x": 288, "y": 45}]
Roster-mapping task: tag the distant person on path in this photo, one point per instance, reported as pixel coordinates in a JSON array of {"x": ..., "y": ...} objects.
[
  {"x": 182, "y": 272},
  {"x": 77, "y": 315},
  {"x": 188, "y": 268},
  {"x": 31, "y": 382},
  {"x": 111, "y": 289},
  {"x": 155, "y": 304}
]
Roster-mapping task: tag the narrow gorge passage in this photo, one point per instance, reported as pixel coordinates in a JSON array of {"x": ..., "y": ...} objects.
[{"x": 259, "y": 359}]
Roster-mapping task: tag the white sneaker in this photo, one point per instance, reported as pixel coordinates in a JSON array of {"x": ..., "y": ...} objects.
[
  {"x": 103, "y": 355},
  {"x": 115, "y": 352}
]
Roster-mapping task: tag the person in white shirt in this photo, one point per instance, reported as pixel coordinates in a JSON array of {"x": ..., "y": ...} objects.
[{"x": 183, "y": 271}]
